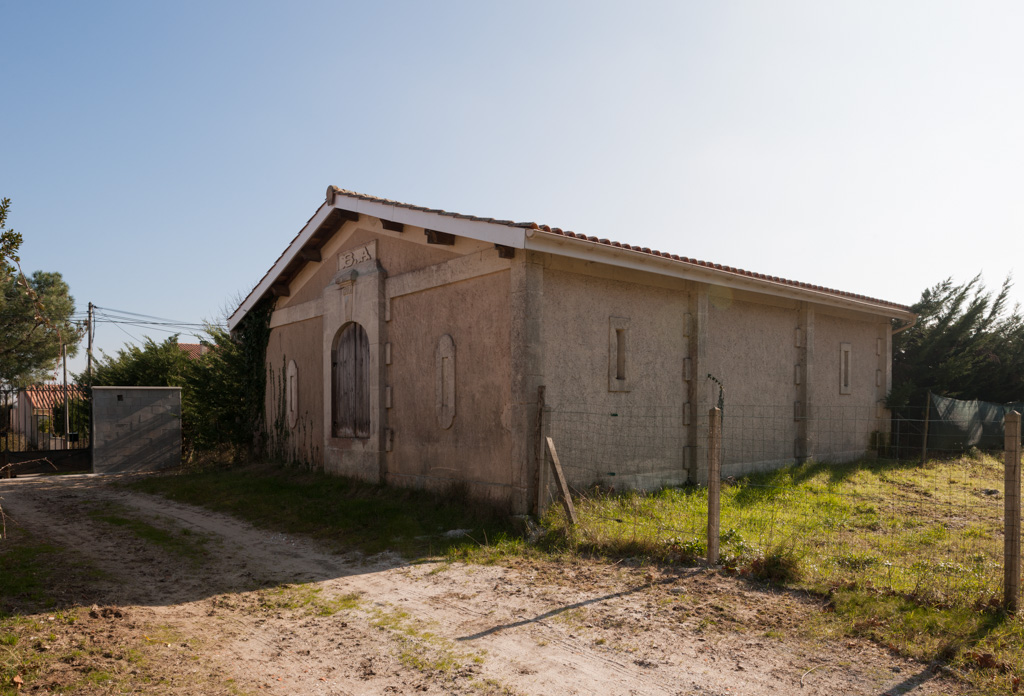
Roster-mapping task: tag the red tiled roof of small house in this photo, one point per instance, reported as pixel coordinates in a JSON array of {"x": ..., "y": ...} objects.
[
  {"x": 50, "y": 396},
  {"x": 193, "y": 350}
]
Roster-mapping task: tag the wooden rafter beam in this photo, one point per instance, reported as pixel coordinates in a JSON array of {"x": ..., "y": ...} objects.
[
  {"x": 333, "y": 222},
  {"x": 392, "y": 226},
  {"x": 437, "y": 237}
]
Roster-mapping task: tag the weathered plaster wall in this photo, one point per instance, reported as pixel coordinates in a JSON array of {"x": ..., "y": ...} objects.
[
  {"x": 304, "y": 325},
  {"x": 629, "y": 434},
  {"x": 303, "y": 441},
  {"x": 398, "y": 253},
  {"x": 842, "y": 423},
  {"x": 475, "y": 449},
  {"x": 751, "y": 350}
]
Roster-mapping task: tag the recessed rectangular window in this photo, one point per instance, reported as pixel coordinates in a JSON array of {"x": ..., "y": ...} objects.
[
  {"x": 444, "y": 401},
  {"x": 620, "y": 354},
  {"x": 845, "y": 375},
  {"x": 618, "y": 359},
  {"x": 291, "y": 400}
]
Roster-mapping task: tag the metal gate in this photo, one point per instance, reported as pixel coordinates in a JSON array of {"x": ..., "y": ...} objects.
[{"x": 45, "y": 428}]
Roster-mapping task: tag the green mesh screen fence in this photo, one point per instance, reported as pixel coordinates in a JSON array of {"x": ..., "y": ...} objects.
[{"x": 958, "y": 425}]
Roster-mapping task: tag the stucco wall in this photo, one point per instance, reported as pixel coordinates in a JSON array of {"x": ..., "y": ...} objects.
[
  {"x": 749, "y": 342},
  {"x": 751, "y": 350},
  {"x": 475, "y": 449},
  {"x": 842, "y": 423},
  {"x": 628, "y": 436},
  {"x": 303, "y": 441}
]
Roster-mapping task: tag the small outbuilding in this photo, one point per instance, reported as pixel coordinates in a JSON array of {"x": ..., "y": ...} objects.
[
  {"x": 426, "y": 348},
  {"x": 39, "y": 411}
]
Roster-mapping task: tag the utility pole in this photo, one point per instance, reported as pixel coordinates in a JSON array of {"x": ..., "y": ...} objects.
[
  {"x": 88, "y": 352},
  {"x": 90, "y": 329},
  {"x": 67, "y": 405}
]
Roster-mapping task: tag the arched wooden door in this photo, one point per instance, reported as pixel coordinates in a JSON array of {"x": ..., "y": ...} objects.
[{"x": 350, "y": 382}]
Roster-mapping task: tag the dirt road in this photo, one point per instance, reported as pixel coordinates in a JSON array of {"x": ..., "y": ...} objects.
[{"x": 262, "y": 612}]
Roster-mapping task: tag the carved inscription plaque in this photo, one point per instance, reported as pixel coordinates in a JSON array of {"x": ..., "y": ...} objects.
[{"x": 354, "y": 257}]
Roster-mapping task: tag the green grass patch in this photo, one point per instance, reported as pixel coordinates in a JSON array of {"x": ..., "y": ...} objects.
[
  {"x": 419, "y": 648},
  {"x": 344, "y": 513},
  {"x": 25, "y": 564},
  {"x": 921, "y": 531},
  {"x": 983, "y": 645},
  {"x": 183, "y": 543},
  {"x": 308, "y": 599}
]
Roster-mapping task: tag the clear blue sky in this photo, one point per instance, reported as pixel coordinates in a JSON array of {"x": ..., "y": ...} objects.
[{"x": 161, "y": 155}]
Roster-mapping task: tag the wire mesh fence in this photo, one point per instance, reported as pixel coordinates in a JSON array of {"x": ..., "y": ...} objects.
[
  {"x": 619, "y": 450},
  {"x": 841, "y": 495}
]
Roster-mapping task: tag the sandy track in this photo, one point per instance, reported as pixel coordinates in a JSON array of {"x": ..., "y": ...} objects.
[{"x": 438, "y": 628}]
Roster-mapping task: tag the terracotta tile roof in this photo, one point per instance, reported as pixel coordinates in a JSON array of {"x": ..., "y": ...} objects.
[
  {"x": 49, "y": 396},
  {"x": 193, "y": 350},
  {"x": 620, "y": 245},
  {"x": 334, "y": 191}
]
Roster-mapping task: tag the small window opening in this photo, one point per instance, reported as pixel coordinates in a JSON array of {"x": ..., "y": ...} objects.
[
  {"x": 845, "y": 350},
  {"x": 292, "y": 394},
  {"x": 620, "y": 354},
  {"x": 445, "y": 385},
  {"x": 445, "y": 393},
  {"x": 618, "y": 327}
]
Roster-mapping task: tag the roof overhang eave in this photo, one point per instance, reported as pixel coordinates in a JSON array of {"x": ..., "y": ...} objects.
[{"x": 481, "y": 230}]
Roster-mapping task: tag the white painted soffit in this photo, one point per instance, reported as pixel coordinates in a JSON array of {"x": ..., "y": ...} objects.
[
  {"x": 640, "y": 261},
  {"x": 481, "y": 230}
]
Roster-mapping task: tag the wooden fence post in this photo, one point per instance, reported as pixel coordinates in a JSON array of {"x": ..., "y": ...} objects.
[
  {"x": 714, "y": 482},
  {"x": 927, "y": 411},
  {"x": 563, "y": 487},
  {"x": 1011, "y": 512},
  {"x": 541, "y": 459}
]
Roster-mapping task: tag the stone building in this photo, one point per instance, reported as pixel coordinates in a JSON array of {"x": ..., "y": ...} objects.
[{"x": 409, "y": 345}]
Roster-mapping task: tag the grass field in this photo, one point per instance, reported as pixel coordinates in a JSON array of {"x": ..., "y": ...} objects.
[{"x": 932, "y": 532}]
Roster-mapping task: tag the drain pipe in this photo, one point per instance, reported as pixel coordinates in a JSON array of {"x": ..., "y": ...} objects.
[{"x": 906, "y": 326}]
